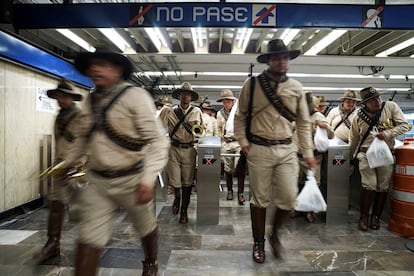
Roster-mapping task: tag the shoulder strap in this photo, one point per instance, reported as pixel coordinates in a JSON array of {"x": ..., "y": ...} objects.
[
  {"x": 371, "y": 126},
  {"x": 250, "y": 108},
  {"x": 343, "y": 120},
  {"x": 181, "y": 116},
  {"x": 275, "y": 99}
]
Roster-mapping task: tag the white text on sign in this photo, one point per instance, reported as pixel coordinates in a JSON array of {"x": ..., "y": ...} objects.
[{"x": 200, "y": 14}]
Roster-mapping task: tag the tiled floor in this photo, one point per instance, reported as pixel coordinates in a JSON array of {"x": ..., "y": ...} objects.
[{"x": 224, "y": 249}]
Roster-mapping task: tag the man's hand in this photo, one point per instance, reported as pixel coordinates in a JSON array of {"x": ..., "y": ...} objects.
[
  {"x": 323, "y": 124},
  {"x": 381, "y": 135},
  {"x": 311, "y": 162},
  {"x": 144, "y": 194},
  {"x": 246, "y": 149}
]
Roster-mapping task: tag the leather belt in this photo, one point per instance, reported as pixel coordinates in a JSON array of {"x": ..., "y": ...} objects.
[
  {"x": 177, "y": 144},
  {"x": 119, "y": 173},
  {"x": 268, "y": 143}
]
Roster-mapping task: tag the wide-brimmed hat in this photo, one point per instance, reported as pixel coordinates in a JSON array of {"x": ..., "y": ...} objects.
[
  {"x": 164, "y": 100},
  {"x": 350, "y": 94},
  {"x": 185, "y": 87},
  {"x": 66, "y": 87},
  {"x": 368, "y": 93},
  {"x": 277, "y": 46},
  {"x": 226, "y": 94},
  {"x": 322, "y": 101},
  {"x": 83, "y": 61},
  {"x": 207, "y": 105}
]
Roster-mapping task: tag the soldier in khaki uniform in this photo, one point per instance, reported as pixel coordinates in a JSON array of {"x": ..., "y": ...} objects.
[
  {"x": 323, "y": 105},
  {"x": 374, "y": 182},
  {"x": 267, "y": 142},
  {"x": 229, "y": 144},
  {"x": 127, "y": 149},
  {"x": 182, "y": 156},
  {"x": 340, "y": 117},
  {"x": 209, "y": 123},
  {"x": 61, "y": 191},
  {"x": 163, "y": 102}
]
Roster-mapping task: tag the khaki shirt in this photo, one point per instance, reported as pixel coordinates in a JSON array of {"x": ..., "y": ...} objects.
[
  {"x": 209, "y": 126},
  {"x": 170, "y": 119},
  {"x": 133, "y": 115},
  {"x": 267, "y": 122},
  {"x": 334, "y": 118},
  {"x": 391, "y": 113},
  {"x": 221, "y": 123},
  {"x": 62, "y": 143}
]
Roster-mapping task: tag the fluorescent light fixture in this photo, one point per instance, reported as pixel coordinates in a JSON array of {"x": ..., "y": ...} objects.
[
  {"x": 288, "y": 35},
  {"x": 75, "y": 38},
  {"x": 158, "y": 39},
  {"x": 396, "y": 48},
  {"x": 115, "y": 38},
  {"x": 324, "y": 42},
  {"x": 197, "y": 37}
]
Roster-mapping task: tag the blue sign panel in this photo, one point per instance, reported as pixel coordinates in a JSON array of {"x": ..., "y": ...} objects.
[
  {"x": 21, "y": 52},
  {"x": 260, "y": 15}
]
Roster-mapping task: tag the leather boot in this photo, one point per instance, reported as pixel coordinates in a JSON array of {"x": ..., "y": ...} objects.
[
  {"x": 240, "y": 190},
  {"x": 52, "y": 246},
  {"x": 150, "y": 247},
  {"x": 177, "y": 199},
  {"x": 273, "y": 236},
  {"x": 258, "y": 217},
  {"x": 87, "y": 259},
  {"x": 365, "y": 205},
  {"x": 379, "y": 202},
  {"x": 184, "y": 206},
  {"x": 229, "y": 183}
]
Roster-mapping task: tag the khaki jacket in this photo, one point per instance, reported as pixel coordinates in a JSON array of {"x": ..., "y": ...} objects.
[
  {"x": 267, "y": 122},
  {"x": 170, "y": 119},
  {"x": 334, "y": 118},
  {"x": 133, "y": 115},
  {"x": 209, "y": 125},
  {"x": 390, "y": 114}
]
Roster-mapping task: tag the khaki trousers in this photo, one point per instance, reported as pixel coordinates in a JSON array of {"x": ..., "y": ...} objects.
[
  {"x": 181, "y": 166},
  {"x": 273, "y": 175},
  {"x": 230, "y": 162},
  {"x": 102, "y": 199},
  {"x": 377, "y": 179}
]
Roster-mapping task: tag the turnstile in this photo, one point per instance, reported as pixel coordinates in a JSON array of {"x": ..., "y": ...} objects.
[
  {"x": 208, "y": 180},
  {"x": 337, "y": 183}
]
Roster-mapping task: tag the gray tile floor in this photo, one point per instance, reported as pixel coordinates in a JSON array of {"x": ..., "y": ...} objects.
[{"x": 223, "y": 249}]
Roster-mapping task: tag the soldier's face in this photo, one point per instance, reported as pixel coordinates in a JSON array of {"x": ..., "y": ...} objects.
[
  {"x": 103, "y": 73},
  {"x": 64, "y": 100},
  {"x": 185, "y": 97},
  {"x": 374, "y": 104},
  {"x": 348, "y": 104},
  {"x": 228, "y": 104},
  {"x": 279, "y": 63}
]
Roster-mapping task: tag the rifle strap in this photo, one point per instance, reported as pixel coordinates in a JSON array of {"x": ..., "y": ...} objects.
[
  {"x": 343, "y": 120},
  {"x": 275, "y": 99}
]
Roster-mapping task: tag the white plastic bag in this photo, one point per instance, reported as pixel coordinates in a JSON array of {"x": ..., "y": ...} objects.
[
  {"x": 379, "y": 154},
  {"x": 310, "y": 199},
  {"x": 321, "y": 139}
]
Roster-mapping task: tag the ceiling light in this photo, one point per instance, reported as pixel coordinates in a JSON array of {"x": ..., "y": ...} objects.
[
  {"x": 288, "y": 35},
  {"x": 244, "y": 35},
  {"x": 158, "y": 39},
  {"x": 116, "y": 39},
  {"x": 75, "y": 38},
  {"x": 324, "y": 42},
  {"x": 396, "y": 48}
]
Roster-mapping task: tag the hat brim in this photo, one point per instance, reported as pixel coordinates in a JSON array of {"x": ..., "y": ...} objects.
[
  {"x": 226, "y": 98},
  {"x": 349, "y": 98},
  {"x": 264, "y": 58},
  {"x": 83, "y": 60},
  {"x": 176, "y": 93},
  {"x": 52, "y": 94},
  {"x": 373, "y": 96},
  {"x": 323, "y": 104}
]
